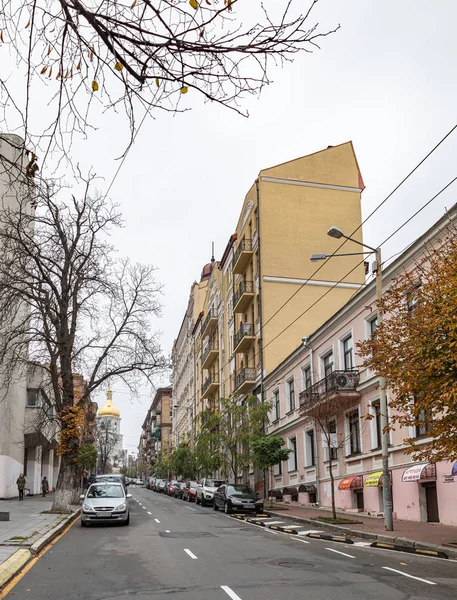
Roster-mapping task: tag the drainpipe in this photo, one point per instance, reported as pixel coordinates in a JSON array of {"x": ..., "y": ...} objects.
[
  {"x": 262, "y": 390},
  {"x": 316, "y": 445}
]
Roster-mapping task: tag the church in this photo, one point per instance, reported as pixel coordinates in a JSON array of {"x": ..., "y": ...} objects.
[{"x": 109, "y": 438}]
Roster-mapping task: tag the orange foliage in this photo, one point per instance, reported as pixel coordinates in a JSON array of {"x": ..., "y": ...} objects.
[{"x": 72, "y": 424}]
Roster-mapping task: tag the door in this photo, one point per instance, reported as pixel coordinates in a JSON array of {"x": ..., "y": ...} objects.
[
  {"x": 431, "y": 498},
  {"x": 359, "y": 500}
]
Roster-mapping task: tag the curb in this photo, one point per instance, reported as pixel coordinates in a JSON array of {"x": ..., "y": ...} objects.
[
  {"x": 15, "y": 563},
  {"x": 431, "y": 549},
  {"x": 54, "y": 532},
  {"x": 409, "y": 549},
  {"x": 330, "y": 538}
]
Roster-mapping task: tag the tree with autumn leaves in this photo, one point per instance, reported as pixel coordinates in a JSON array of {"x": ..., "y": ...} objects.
[{"x": 415, "y": 348}]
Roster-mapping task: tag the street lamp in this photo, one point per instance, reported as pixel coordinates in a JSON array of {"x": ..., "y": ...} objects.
[{"x": 335, "y": 232}]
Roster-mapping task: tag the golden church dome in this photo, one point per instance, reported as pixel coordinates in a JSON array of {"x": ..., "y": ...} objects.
[{"x": 109, "y": 410}]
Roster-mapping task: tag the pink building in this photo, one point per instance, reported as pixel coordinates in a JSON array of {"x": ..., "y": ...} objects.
[{"x": 326, "y": 371}]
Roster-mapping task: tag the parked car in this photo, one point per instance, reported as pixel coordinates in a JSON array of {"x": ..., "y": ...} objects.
[
  {"x": 138, "y": 481},
  {"x": 105, "y": 502},
  {"x": 161, "y": 486},
  {"x": 150, "y": 482},
  {"x": 189, "y": 492},
  {"x": 206, "y": 489},
  {"x": 237, "y": 496},
  {"x": 171, "y": 486},
  {"x": 113, "y": 477},
  {"x": 179, "y": 489}
]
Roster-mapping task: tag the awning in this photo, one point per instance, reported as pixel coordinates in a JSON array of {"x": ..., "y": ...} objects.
[
  {"x": 374, "y": 479},
  {"x": 418, "y": 472},
  {"x": 290, "y": 491},
  {"x": 351, "y": 483},
  {"x": 454, "y": 469},
  {"x": 309, "y": 488}
]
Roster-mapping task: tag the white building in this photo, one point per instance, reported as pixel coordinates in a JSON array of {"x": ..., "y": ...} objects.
[{"x": 110, "y": 416}]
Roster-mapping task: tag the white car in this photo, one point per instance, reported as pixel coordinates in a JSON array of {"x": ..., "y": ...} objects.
[
  {"x": 105, "y": 502},
  {"x": 206, "y": 489}
]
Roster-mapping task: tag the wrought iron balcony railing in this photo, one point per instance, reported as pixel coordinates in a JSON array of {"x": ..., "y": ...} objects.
[
  {"x": 210, "y": 380},
  {"x": 210, "y": 319},
  {"x": 336, "y": 383},
  {"x": 242, "y": 256},
  {"x": 213, "y": 346},
  {"x": 243, "y": 376},
  {"x": 245, "y": 287},
  {"x": 246, "y": 330}
]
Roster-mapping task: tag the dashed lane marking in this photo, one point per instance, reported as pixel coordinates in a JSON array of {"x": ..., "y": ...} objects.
[
  {"x": 157, "y": 520},
  {"x": 191, "y": 554},
  {"x": 294, "y": 537},
  {"x": 338, "y": 552},
  {"x": 167, "y": 531},
  {"x": 410, "y": 576},
  {"x": 230, "y": 592},
  {"x": 149, "y": 513}
]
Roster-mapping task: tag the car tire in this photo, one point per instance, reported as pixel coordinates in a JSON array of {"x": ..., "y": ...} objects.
[
  {"x": 83, "y": 523},
  {"x": 128, "y": 520},
  {"x": 196, "y": 500},
  {"x": 227, "y": 508},
  {"x": 215, "y": 507},
  {"x": 203, "y": 503}
]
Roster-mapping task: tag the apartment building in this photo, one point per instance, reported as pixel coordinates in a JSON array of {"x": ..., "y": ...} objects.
[
  {"x": 156, "y": 430},
  {"x": 263, "y": 295},
  {"x": 324, "y": 378}
]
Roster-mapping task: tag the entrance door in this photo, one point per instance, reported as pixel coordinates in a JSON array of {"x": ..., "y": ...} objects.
[
  {"x": 431, "y": 498},
  {"x": 359, "y": 499}
]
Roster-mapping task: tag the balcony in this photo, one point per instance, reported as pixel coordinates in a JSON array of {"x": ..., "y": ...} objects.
[
  {"x": 242, "y": 256},
  {"x": 341, "y": 385},
  {"x": 243, "y": 296},
  {"x": 210, "y": 322},
  {"x": 210, "y": 385},
  {"x": 244, "y": 337},
  {"x": 210, "y": 354},
  {"x": 245, "y": 380}
]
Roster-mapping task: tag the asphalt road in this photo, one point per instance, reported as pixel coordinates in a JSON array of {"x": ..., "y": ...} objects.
[{"x": 174, "y": 550}]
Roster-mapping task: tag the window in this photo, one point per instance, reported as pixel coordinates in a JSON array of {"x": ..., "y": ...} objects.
[
  {"x": 306, "y": 378},
  {"x": 423, "y": 419},
  {"x": 277, "y": 469},
  {"x": 276, "y": 405},
  {"x": 310, "y": 453},
  {"x": 292, "y": 462},
  {"x": 413, "y": 296},
  {"x": 354, "y": 432},
  {"x": 330, "y": 436},
  {"x": 291, "y": 395},
  {"x": 377, "y": 424},
  {"x": 372, "y": 326},
  {"x": 328, "y": 364},
  {"x": 348, "y": 354},
  {"x": 33, "y": 399}
]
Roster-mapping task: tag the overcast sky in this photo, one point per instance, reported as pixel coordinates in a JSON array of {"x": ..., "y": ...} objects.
[{"x": 386, "y": 80}]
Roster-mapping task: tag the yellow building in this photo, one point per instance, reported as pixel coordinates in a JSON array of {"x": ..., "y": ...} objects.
[{"x": 264, "y": 295}]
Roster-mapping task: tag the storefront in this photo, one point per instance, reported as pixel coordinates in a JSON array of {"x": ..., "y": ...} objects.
[{"x": 354, "y": 486}]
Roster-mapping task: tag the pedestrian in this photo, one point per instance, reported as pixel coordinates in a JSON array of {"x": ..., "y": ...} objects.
[
  {"x": 20, "y": 482},
  {"x": 44, "y": 486}
]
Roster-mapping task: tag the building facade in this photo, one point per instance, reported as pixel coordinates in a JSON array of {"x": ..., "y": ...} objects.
[
  {"x": 252, "y": 315},
  {"x": 109, "y": 437},
  {"x": 156, "y": 437},
  {"x": 324, "y": 379}
]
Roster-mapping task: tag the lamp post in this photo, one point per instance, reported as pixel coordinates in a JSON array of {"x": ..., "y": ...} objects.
[{"x": 336, "y": 232}]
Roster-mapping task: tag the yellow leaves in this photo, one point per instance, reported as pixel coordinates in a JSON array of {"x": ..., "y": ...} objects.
[
  {"x": 157, "y": 81},
  {"x": 194, "y": 4},
  {"x": 50, "y": 72},
  {"x": 95, "y": 86},
  {"x": 49, "y": 50},
  {"x": 1, "y": 36},
  {"x": 133, "y": 4},
  {"x": 78, "y": 66},
  {"x": 118, "y": 66},
  {"x": 228, "y": 3},
  {"x": 28, "y": 24},
  {"x": 43, "y": 70},
  {"x": 184, "y": 89}
]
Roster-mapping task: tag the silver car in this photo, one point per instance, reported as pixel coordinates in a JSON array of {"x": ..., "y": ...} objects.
[{"x": 105, "y": 502}]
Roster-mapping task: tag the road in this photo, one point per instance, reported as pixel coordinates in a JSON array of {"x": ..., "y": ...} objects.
[{"x": 174, "y": 550}]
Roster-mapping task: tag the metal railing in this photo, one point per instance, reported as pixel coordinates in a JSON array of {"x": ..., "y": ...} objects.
[
  {"x": 245, "y": 287},
  {"x": 209, "y": 348},
  {"x": 244, "y": 375},
  {"x": 213, "y": 378},
  {"x": 245, "y": 245},
  {"x": 212, "y": 314},
  {"x": 246, "y": 329},
  {"x": 335, "y": 383}
]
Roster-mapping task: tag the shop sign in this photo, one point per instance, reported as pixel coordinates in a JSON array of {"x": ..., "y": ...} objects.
[{"x": 448, "y": 478}]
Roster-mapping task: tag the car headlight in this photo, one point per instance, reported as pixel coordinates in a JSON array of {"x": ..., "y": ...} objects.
[
  {"x": 121, "y": 508},
  {"x": 88, "y": 508},
  {"x": 236, "y": 501},
  {"x": 208, "y": 495}
]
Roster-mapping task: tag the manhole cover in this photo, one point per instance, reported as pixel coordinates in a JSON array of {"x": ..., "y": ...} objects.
[
  {"x": 188, "y": 535},
  {"x": 290, "y": 563}
]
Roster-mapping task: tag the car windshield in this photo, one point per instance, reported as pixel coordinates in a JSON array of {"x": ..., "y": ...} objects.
[
  {"x": 237, "y": 490},
  {"x": 173, "y": 483},
  {"x": 105, "y": 491},
  {"x": 193, "y": 484},
  {"x": 214, "y": 482}
]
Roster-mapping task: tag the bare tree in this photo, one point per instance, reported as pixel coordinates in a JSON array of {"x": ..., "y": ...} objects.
[
  {"x": 106, "y": 442},
  {"x": 68, "y": 305},
  {"x": 75, "y": 55}
]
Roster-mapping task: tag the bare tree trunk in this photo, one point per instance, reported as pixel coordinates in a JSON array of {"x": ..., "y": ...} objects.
[
  {"x": 67, "y": 485},
  {"x": 332, "y": 479}
]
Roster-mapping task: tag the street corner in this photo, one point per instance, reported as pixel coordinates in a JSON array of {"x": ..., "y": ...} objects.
[{"x": 13, "y": 565}]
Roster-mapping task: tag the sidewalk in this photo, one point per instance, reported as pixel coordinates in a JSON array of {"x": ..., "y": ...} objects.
[
  {"x": 406, "y": 532},
  {"x": 29, "y": 528}
]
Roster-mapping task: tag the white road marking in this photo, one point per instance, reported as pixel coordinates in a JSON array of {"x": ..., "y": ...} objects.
[
  {"x": 270, "y": 531},
  {"x": 157, "y": 520},
  {"x": 292, "y": 537},
  {"x": 230, "y": 592},
  {"x": 167, "y": 531},
  {"x": 410, "y": 576},
  {"x": 275, "y": 523},
  {"x": 191, "y": 554},
  {"x": 342, "y": 553},
  {"x": 149, "y": 513},
  {"x": 143, "y": 507},
  {"x": 362, "y": 544}
]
